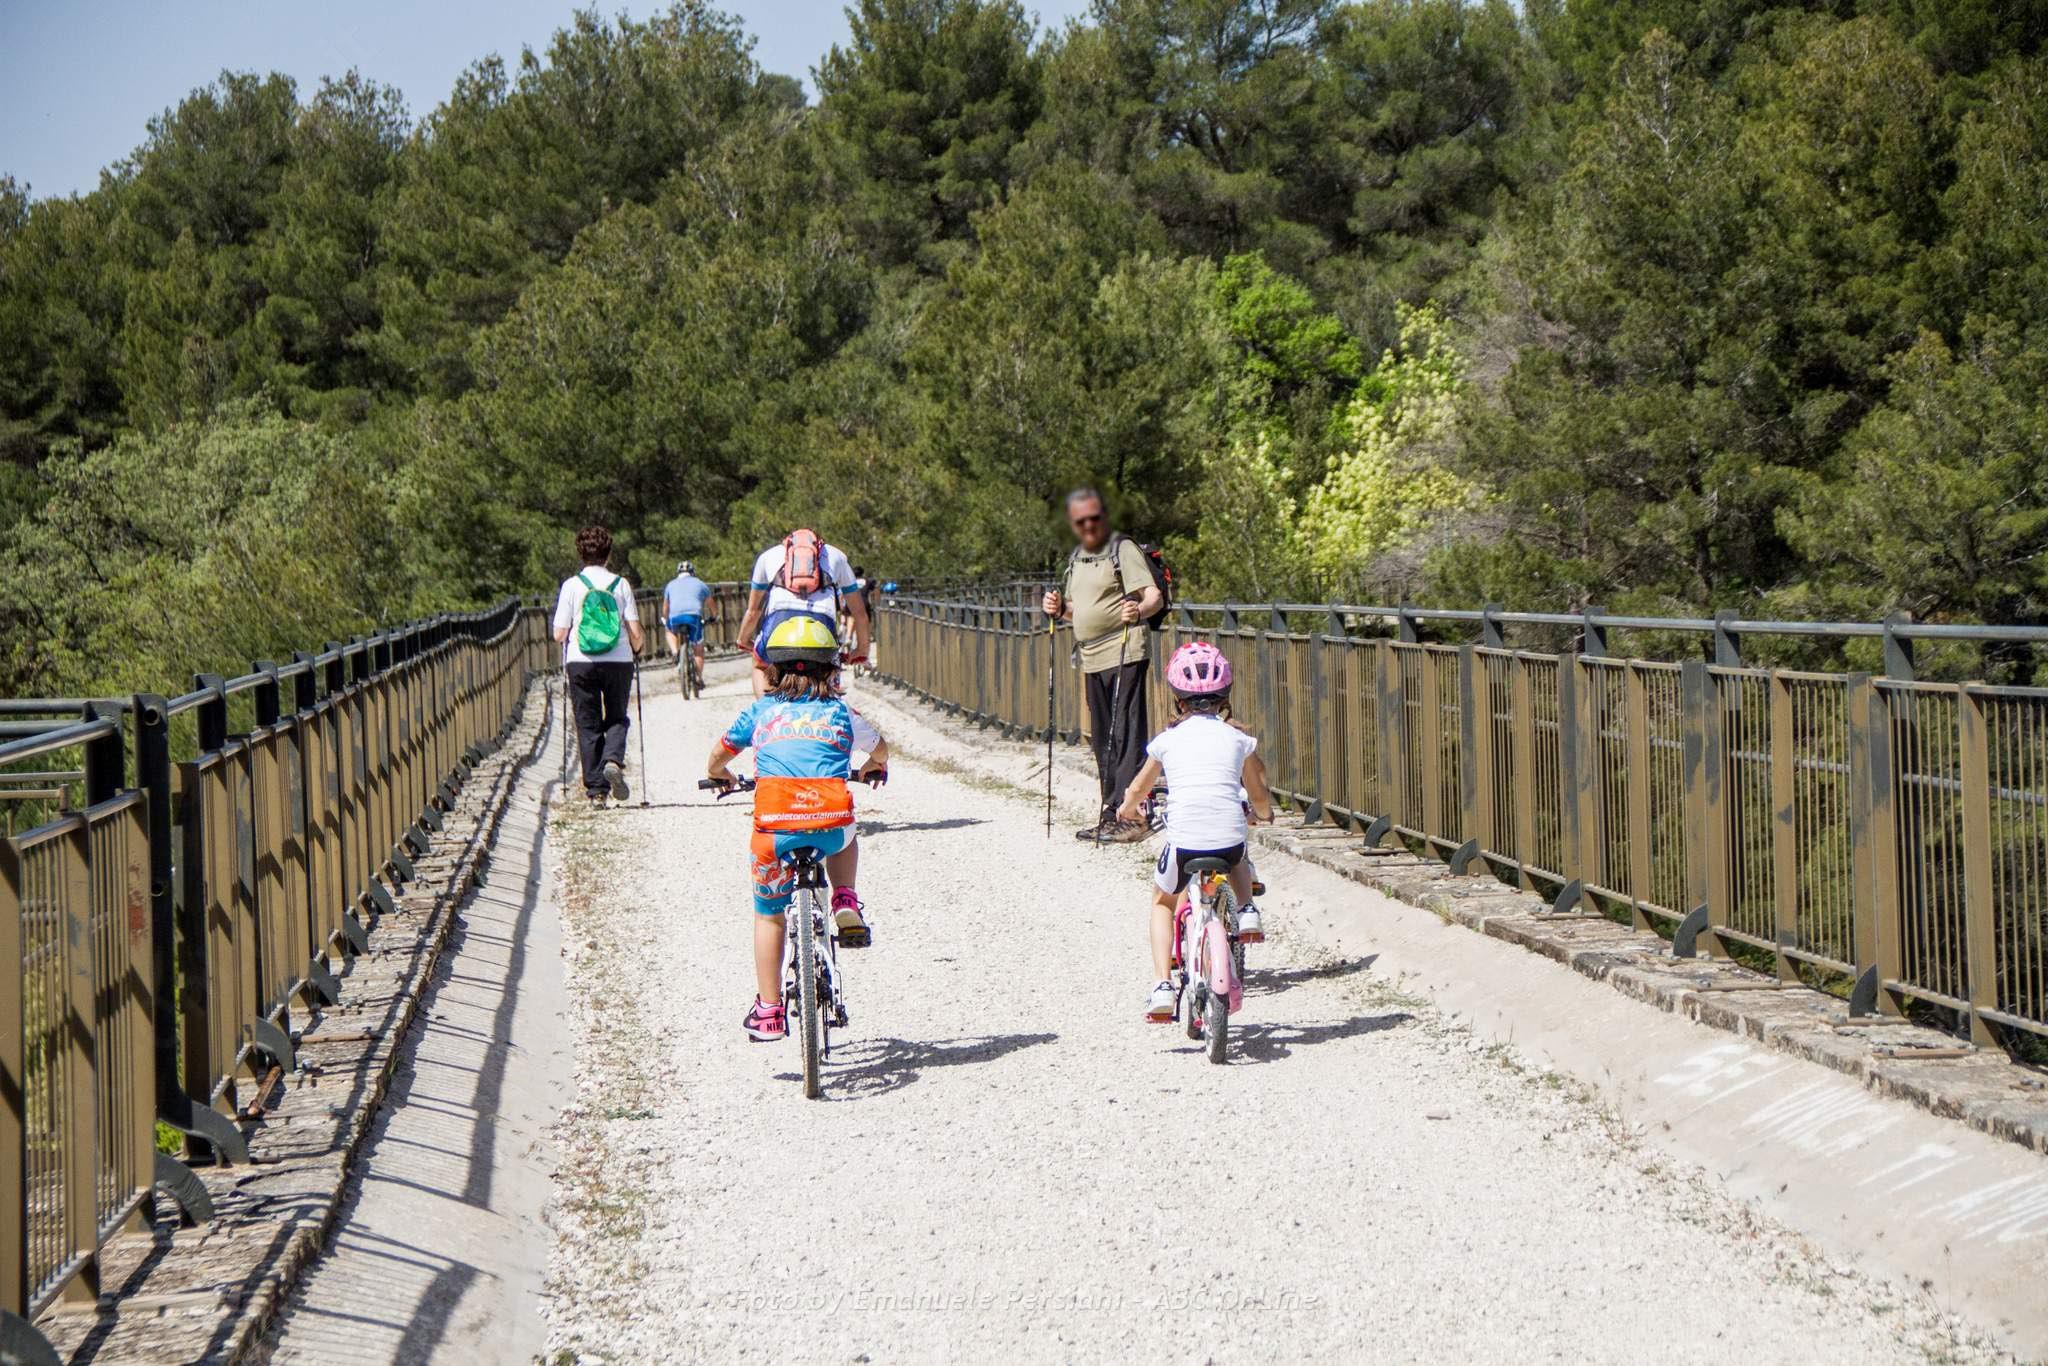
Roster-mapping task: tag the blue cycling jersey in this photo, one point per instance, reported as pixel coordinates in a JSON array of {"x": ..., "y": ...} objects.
[
  {"x": 813, "y": 739},
  {"x": 686, "y": 595}
]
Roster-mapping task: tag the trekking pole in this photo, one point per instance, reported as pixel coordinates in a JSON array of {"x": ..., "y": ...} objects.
[
  {"x": 1052, "y": 650},
  {"x": 640, "y": 708}
]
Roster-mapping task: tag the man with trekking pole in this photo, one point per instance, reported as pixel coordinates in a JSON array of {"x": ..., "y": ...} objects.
[
  {"x": 1109, "y": 594},
  {"x": 598, "y": 627}
]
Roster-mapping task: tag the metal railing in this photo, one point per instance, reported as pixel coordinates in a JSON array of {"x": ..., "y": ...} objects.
[
  {"x": 1887, "y": 833},
  {"x": 214, "y": 865}
]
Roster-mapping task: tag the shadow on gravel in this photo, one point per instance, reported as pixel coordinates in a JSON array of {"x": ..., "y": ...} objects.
[
  {"x": 874, "y": 1067},
  {"x": 867, "y": 828},
  {"x": 1273, "y": 981},
  {"x": 1275, "y": 1042}
]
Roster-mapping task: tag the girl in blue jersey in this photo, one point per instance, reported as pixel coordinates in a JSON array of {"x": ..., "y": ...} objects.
[{"x": 804, "y": 737}]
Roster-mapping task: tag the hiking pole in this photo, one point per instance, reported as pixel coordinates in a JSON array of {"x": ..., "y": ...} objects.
[
  {"x": 639, "y": 706},
  {"x": 1052, "y": 651}
]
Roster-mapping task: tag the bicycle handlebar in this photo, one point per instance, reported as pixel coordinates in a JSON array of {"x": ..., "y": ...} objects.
[{"x": 739, "y": 782}]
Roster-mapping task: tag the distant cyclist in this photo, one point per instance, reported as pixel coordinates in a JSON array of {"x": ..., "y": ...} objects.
[
  {"x": 804, "y": 737},
  {"x": 1211, "y": 765},
  {"x": 802, "y": 577},
  {"x": 683, "y": 604}
]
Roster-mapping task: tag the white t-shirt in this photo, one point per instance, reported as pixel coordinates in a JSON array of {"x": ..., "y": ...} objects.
[
  {"x": 1204, "y": 758},
  {"x": 569, "y": 606},
  {"x": 836, "y": 568}
]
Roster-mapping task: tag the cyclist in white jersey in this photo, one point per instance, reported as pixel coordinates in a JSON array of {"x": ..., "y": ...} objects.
[{"x": 1212, "y": 768}]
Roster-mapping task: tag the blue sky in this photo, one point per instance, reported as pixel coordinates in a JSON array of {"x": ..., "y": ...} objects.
[{"x": 80, "y": 78}]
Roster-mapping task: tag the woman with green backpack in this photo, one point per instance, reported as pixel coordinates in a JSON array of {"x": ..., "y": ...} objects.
[{"x": 599, "y": 631}]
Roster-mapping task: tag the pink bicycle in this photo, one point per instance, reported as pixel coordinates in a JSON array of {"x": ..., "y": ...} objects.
[{"x": 1206, "y": 971}]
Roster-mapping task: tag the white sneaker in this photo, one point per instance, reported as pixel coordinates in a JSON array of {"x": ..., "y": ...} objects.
[
  {"x": 1159, "y": 1010},
  {"x": 1249, "y": 930}
]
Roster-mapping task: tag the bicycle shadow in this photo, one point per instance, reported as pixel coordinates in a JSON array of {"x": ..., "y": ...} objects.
[
  {"x": 866, "y": 1068},
  {"x": 1273, "y": 981},
  {"x": 1258, "y": 1043},
  {"x": 867, "y": 828}
]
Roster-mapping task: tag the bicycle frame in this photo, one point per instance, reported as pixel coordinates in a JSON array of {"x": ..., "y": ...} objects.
[
  {"x": 1206, "y": 906},
  {"x": 831, "y": 1002}
]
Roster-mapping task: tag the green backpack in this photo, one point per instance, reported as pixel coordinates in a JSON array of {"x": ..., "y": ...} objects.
[{"x": 598, "y": 623}]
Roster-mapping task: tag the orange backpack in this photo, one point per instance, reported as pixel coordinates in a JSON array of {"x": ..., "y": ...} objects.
[{"x": 803, "y": 563}]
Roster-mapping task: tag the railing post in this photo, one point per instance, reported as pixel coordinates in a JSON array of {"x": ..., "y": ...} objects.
[
  {"x": 1573, "y": 765},
  {"x": 153, "y": 776},
  {"x": 1980, "y": 946},
  {"x": 1475, "y": 749},
  {"x": 1522, "y": 745},
  {"x": 1593, "y": 635},
  {"x": 1392, "y": 732},
  {"x": 1405, "y": 623},
  {"x": 1784, "y": 831},
  {"x": 14, "y": 1089},
  {"x": 1898, "y": 649},
  {"x": 105, "y": 764},
  {"x": 1641, "y": 788},
  {"x": 1490, "y": 634},
  {"x": 81, "y": 1072},
  {"x": 1706, "y": 829},
  {"x": 1873, "y": 847},
  {"x": 1727, "y": 644},
  {"x": 1432, "y": 742}
]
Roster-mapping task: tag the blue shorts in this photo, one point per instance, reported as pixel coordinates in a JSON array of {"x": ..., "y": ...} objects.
[
  {"x": 774, "y": 884},
  {"x": 776, "y": 618},
  {"x": 687, "y": 627}
]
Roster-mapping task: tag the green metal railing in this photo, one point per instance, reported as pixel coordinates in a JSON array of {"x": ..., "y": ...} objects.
[{"x": 1881, "y": 831}]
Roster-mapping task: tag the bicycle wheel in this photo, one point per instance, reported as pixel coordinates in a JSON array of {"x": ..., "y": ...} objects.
[
  {"x": 1196, "y": 992},
  {"x": 1226, "y": 911},
  {"x": 808, "y": 1024},
  {"x": 1216, "y": 1024}
]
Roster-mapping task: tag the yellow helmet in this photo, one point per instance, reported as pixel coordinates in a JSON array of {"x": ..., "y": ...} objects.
[{"x": 801, "y": 640}]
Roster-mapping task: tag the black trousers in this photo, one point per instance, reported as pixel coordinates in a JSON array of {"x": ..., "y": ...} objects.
[
  {"x": 1117, "y": 727},
  {"x": 600, "y": 694}
]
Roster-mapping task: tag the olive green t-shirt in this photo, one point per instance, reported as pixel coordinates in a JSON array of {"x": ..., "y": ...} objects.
[{"x": 1097, "y": 595}]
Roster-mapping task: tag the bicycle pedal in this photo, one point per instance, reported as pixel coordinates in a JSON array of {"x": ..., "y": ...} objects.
[{"x": 858, "y": 937}]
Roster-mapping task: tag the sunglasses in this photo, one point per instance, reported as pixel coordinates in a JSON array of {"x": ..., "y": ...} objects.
[{"x": 1092, "y": 519}]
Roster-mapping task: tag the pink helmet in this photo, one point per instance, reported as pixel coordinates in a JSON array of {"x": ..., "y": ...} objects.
[{"x": 1198, "y": 669}]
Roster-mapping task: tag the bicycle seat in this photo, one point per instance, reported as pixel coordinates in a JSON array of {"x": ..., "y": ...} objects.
[
  {"x": 1206, "y": 865},
  {"x": 803, "y": 857}
]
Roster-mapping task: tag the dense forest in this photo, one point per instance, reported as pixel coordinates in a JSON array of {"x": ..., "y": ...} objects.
[{"x": 1669, "y": 305}]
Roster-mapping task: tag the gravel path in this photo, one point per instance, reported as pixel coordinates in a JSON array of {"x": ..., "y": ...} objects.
[{"x": 1011, "y": 1162}]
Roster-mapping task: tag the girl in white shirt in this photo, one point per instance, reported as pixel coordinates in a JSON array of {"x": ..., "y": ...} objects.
[{"x": 1212, "y": 768}]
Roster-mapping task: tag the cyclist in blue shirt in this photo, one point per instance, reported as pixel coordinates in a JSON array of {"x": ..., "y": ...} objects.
[
  {"x": 683, "y": 603},
  {"x": 804, "y": 737}
]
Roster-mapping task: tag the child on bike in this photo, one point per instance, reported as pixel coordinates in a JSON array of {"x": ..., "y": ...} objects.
[
  {"x": 804, "y": 738},
  {"x": 1211, "y": 766}
]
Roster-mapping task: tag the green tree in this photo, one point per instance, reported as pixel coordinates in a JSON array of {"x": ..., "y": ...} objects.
[
  {"x": 1940, "y": 503},
  {"x": 929, "y": 99},
  {"x": 205, "y": 547}
]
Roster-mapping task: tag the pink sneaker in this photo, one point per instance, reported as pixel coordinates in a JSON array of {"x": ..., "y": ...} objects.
[
  {"x": 846, "y": 920},
  {"x": 765, "y": 1023}
]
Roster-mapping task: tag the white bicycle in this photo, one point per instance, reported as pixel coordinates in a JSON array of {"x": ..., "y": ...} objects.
[{"x": 813, "y": 993}]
